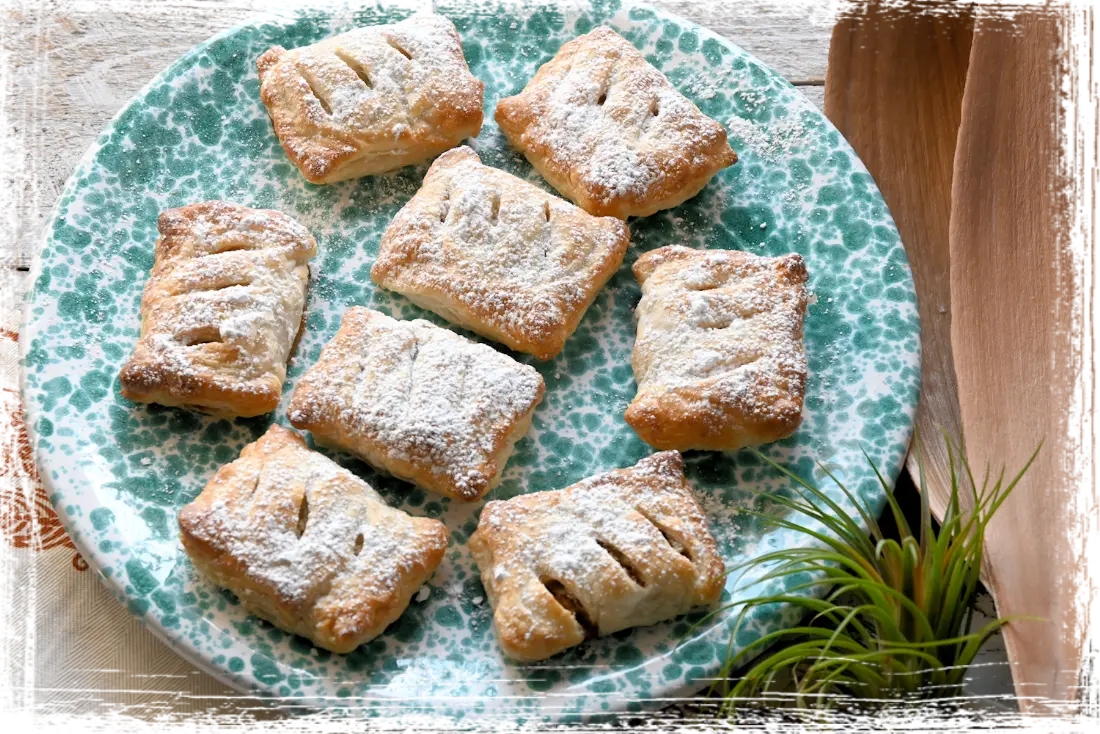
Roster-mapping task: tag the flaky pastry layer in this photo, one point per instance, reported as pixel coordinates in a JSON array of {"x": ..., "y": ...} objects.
[
  {"x": 626, "y": 548},
  {"x": 373, "y": 99},
  {"x": 307, "y": 545},
  {"x": 497, "y": 255},
  {"x": 608, "y": 130},
  {"x": 719, "y": 359},
  {"x": 418, "y": 401},
  {"x": 221, "y": 310}
]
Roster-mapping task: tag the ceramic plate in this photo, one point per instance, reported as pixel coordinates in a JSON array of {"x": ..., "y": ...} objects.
[{"x": 118, "y": 472}]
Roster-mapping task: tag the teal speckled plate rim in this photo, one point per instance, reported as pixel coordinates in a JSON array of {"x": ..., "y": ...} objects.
[{"x": 116, "y": 472}]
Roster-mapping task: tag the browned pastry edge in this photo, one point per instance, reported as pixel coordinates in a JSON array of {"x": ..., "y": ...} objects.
[
  {"x": 533, "y": 621},
  {"x": 339, "y": 629},
  {"x": 680, "y": 178},
  {"x": 401, "y": 267},
  {"x": 677, "y": 419},
  {"x": 144, "y": 378},
  {"x": 327, "y": 153}
]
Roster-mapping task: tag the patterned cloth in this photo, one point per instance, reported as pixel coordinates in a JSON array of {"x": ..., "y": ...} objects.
[{"x": 73, "y": 659}]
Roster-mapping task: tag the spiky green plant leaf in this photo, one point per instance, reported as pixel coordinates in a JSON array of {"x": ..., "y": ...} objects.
[{"x": 884, "y": 618}]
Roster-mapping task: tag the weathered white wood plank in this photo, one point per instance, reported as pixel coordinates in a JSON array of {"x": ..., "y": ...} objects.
[
  {"x": 815, "y": 94},
  {"x": 75, "y": 64},
  {"x": 13, "y": 284},
  {"x": 20, "y": 228},
  {"x": 791, "y": 36}
]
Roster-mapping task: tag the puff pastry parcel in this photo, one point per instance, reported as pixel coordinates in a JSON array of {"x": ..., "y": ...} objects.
[
  {"x": 719, "y": 359},
  {"x": 307, "y": 545},
  {"x": 371, "y": 100},
  {"x": 497, "y": 255},
  {"x": 418, "y": 401},
  {"x": 221, "y": 310},
  {"x": 623, "y": 549},
  {"x": 610, "y": 132}
]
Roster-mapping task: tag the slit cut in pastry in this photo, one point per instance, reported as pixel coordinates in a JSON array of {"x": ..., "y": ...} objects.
[
  {"x": 627, "y": 548},
  {"x": 418, "y": 401},
  {"x": 609, "y": 131},
  {"x": 307, "y": 545},
  {"x": 497, "y": 255},
  {"x": 373, "y": 99},
  {"x": 221, "y": 310},
  {"x": 719, "y": 359}
]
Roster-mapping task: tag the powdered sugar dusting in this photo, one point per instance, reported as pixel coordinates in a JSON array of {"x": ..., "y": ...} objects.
[
  {"x": 313, "y": 541},
  {"x": 418, "y": 400},
  {"x": 727, "y": 325},
  {"x": 601, "y": 119},
  {"x": 774, "y": 141},
  {"x": 378, "y": 95},
  {"x": 498, "y": 254},
  {"x": 706, "y": 84},
  {"x": 379, "y": 74},
  {"x": 630, "y": 547},
  {"x": 223, "y": 304}
]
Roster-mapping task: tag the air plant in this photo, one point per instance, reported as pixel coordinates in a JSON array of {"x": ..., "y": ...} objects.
[{"x": 885, "y": 618}]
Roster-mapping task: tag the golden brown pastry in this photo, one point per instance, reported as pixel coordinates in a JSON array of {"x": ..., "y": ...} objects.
[
  {"x": 718, "y": 359},
  {"x": 221, "y": 310},
  {"x": 307, "y": 545},
  {"x": 610, "y": 132},
  {"x": 497, "y": 255},
  {"x": 373, "y": 99},
  {"x": 418, "y": 401},
  {"x": 627, "y": 548}
]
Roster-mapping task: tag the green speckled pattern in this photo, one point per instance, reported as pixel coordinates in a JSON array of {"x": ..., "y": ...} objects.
[{"x": 118, "y": 472}]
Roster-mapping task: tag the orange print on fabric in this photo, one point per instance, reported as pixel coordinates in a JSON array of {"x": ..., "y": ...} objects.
[{"x": 27, "y": 518}]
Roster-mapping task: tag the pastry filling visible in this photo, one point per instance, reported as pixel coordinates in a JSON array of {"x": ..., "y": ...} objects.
[
  {"x": 670, "y": 538},
  {"x": 303, "y": 516},
  {"x": 571, "y": 604},
  {"x": 623, "y": 561}
]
